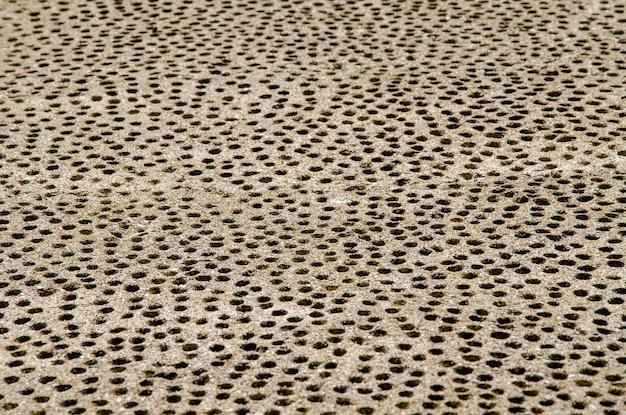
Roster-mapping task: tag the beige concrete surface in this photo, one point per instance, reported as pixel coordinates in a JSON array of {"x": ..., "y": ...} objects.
[{"x": 312, "y": 207}]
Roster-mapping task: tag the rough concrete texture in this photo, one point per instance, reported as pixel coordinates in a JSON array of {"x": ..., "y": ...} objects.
[{"x": 312, "y": 207}]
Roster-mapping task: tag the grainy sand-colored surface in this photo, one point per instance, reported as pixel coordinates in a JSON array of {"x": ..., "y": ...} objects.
[{"x": 312, "y": 207}]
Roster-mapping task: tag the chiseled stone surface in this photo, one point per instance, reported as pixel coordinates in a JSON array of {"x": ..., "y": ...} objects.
[{"x": 312, "y": 207}]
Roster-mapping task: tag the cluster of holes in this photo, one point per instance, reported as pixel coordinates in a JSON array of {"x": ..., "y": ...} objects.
[
  {"x": 402, "y": 90},
  {"x": 363, "y": 301},
  {"x": 312, "y": 207}
]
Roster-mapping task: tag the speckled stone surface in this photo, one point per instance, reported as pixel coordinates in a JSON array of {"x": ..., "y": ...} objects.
[{"x": 312, "y": 207}]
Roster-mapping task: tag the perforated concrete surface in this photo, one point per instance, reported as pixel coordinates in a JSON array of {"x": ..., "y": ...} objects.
[{"x": 312, "y": 207}]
